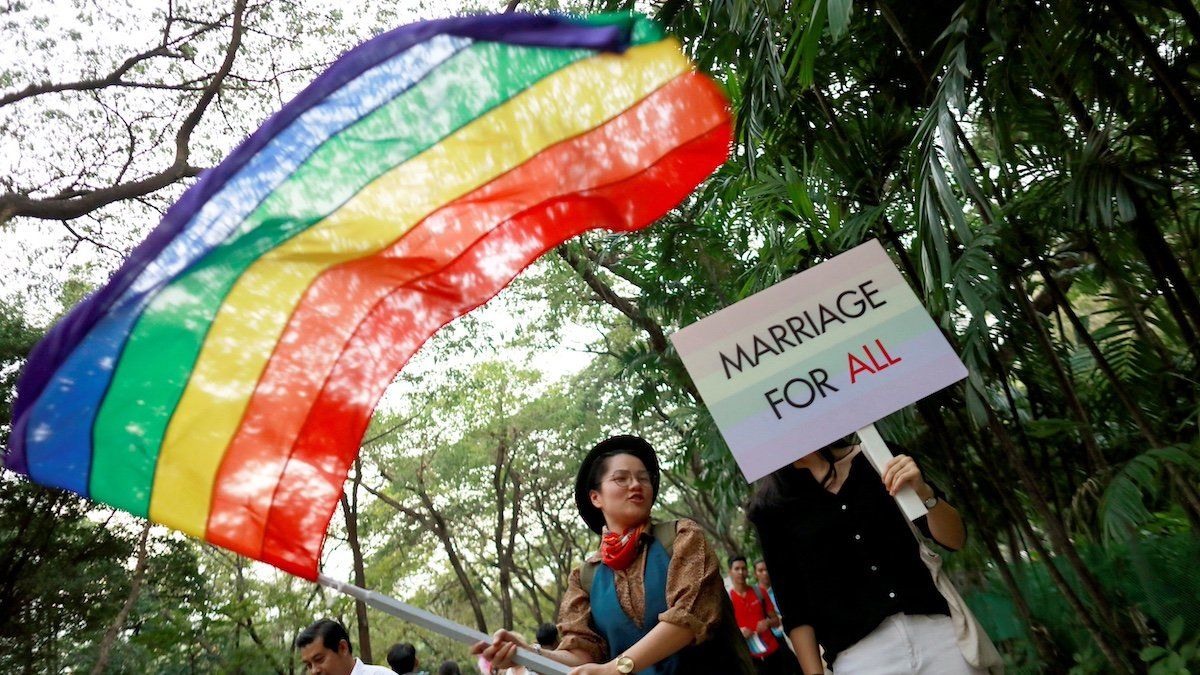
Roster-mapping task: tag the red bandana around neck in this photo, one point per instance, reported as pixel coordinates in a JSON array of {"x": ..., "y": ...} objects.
[{"x": 620, "y": 550}]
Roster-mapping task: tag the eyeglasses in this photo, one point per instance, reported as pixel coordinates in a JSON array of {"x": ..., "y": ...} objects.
[{"x": 624, "y": 478}]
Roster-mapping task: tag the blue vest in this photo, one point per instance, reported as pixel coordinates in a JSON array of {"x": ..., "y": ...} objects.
[{"x": 615, "y": 626}]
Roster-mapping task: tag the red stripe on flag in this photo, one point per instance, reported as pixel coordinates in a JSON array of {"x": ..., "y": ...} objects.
[
  {"x": 311, "y": 483},
  {"x": 341, "y": 298}
]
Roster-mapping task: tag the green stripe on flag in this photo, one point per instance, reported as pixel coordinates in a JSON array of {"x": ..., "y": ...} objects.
[{"x": 158, "y": 358}]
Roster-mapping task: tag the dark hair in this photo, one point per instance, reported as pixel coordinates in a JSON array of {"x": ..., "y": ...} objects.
[
  {"x": 600, "y": 465},
  {"x": 547, "y": 635},
  {"x": 402, "y": 657},
  {"x": 449, "y": 668},
  {"x": 772, "y": 491},
  {"x": 735, "y": 558},
  {"x": 331, "y": 633}
]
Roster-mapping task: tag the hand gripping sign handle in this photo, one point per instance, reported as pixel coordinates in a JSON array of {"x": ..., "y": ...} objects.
[
  {"x": 437, "y": 624},
  {"x": 877, "y": 452}
]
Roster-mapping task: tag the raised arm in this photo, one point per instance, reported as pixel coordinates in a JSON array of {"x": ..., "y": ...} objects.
[
  {"x": 943, "y": 522},
  {"x": 579, "y": 645}
]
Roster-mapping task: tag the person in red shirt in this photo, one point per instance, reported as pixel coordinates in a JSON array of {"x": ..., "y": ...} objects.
[{"x": 755, "y": 616}]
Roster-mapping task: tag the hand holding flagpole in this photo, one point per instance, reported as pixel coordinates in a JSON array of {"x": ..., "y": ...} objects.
[{"x": 439, "y": 625}]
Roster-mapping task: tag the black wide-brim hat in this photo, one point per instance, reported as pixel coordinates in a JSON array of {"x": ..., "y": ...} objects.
[{"x": 624, "y": 445}]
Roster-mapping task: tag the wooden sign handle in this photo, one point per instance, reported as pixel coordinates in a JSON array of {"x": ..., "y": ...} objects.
[{"x": 878, "y": 453}]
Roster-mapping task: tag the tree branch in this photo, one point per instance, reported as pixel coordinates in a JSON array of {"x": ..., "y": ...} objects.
[{"x": 15, "y": 204}]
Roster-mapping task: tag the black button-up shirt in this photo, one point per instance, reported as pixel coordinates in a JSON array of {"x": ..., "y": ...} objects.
[{"x": 842, "y": 563}]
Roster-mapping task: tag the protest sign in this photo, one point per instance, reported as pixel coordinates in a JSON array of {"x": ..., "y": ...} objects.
[{"x": 816, "y": 357}]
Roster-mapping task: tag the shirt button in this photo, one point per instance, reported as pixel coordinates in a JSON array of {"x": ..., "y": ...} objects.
[
  {"x": 844, "y": 507},
  {"x": 891, "y": 595},
  {"x": 874, "y": 568},
  {"x": 857, "y": 537}
]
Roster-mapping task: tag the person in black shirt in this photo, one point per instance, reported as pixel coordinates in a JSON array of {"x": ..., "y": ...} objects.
[{"x": 846, "y": 568}]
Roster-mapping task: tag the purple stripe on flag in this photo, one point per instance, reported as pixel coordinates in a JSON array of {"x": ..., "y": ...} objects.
[{"x": 523, "y": 29}]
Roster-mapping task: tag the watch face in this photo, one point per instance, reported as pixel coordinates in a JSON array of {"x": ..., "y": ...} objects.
[{"x": 624, "y": 665}]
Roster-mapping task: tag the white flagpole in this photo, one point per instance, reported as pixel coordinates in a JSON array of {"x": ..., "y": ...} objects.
[
  {"x": 433, "y": 622},
  {"x": 878, "y": 453}
]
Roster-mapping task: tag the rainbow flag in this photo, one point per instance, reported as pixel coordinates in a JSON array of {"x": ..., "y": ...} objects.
[{"x": 221, "y": 382}]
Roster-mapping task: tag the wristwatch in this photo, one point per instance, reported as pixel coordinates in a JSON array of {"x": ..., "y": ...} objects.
[
  {"x": 624, "y": 665},
  {"x": 931, "y": 502},
  {"x": 537, "y": 648}
]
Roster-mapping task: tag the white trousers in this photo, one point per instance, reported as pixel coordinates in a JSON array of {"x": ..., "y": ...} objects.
[{"x": 906, "y": 645}]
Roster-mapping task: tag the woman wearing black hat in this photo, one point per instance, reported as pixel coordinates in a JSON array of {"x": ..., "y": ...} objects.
[{"x": 635, "y": 606}]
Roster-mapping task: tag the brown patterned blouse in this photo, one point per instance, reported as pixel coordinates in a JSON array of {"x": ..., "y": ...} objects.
[{"x": 694, "y": 592}]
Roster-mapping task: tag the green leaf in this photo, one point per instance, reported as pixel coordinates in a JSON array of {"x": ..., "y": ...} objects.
[
  {"x": 839, "y": 17},
  {"x": 1175, "y": 631},
  {"x": 807, "y": 61},
  {"x": 1152, "y": 654}
]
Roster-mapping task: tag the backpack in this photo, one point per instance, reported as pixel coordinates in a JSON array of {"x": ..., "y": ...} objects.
[{"x": 762, "y": 601}]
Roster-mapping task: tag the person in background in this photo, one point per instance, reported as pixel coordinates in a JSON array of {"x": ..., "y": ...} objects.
[
  {"x": 768, "y": 596},
  {"x": 642, "y": 608},
  {"x": 449, "y": 668},
  {"x": 847, "y": 569},
  {"x": 402, "y": 657},
  {"x": 755, "y": 616},
  {"x": 547, "y": 636},
  {"x": 325, "y": 650}
]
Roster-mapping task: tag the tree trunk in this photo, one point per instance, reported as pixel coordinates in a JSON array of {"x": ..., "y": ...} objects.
[
  {"x": 501, "y": 473},
  {"x": 1061, "y": 542},
  {"x": 1083, "y": 335},
  {"x": 1176, "y": 93},
  {"x": 350, "y": 511},
  {"x": 1086, "y": 431},
  {"x": 1191, "y": 17},
  {"x": 135, "y": 589},
  {"x": 1132, "y": 305},
  {"x": 433, "y": 520},
  {"x": 1174, "y": 306},
  {"x": 973, "y": 512},
  {"x": 1154, "y": 246},
  {"x": 1187, "y": 496}
]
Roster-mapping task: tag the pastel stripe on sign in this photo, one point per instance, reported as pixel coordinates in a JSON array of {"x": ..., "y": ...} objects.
[
  {"x": 251, "y": 320},
  {"x": 341, "y": 297},
  {"x": 751, "y": 399},
  {"x": 161, "y": 350},
  {"x": 895, "y": 298},
  {"x": 903, "y": 320},
  {"x": 734, "y": 318},
  {"x": 767, "y": 444},
  {"x": 407, "y": 317},
  {"x": 791, "y": 394},
  {"x": 60, "y": 450}
]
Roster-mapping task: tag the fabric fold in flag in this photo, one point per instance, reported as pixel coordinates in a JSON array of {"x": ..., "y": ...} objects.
[{"x": 221, "y": 382}]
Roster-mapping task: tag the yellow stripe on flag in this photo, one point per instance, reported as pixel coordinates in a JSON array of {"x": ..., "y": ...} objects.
[{"x": 567, "y": 103}]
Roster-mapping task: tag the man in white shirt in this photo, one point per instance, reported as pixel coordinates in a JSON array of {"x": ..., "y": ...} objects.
[{"x": 325, "y": 649}]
